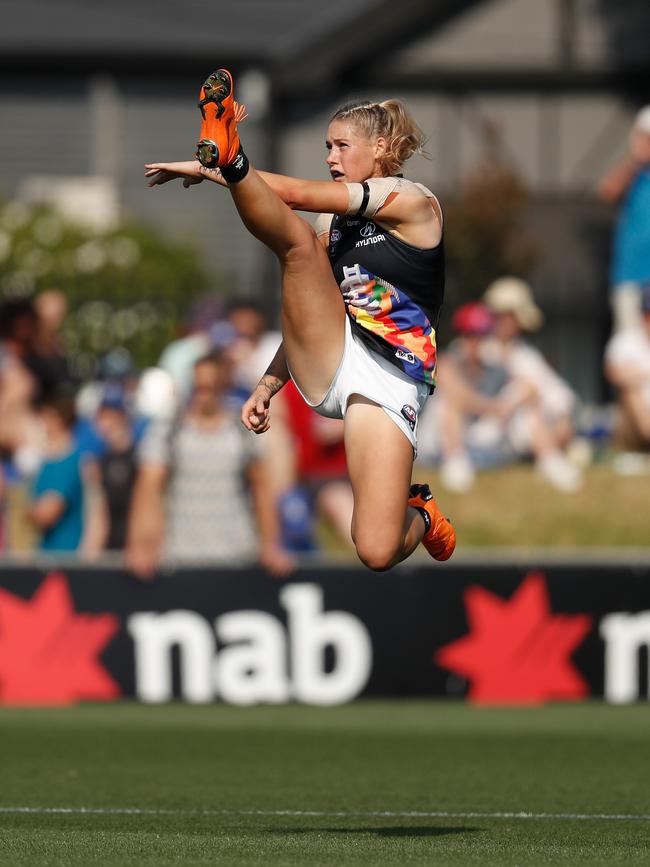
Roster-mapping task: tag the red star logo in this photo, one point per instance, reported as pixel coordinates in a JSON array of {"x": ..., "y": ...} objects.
[
  {"x": 48, "y": 652},
  {"x": 518, "y": 651}
]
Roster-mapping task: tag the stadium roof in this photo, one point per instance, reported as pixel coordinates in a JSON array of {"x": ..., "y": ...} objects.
[
  {"x": 306, "y": 45},
  {"x": 301, "y": 41},
  {"x": 257, "y": 30}
]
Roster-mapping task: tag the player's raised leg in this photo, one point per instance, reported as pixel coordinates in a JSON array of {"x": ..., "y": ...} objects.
[{"x": 313, "y": 313}]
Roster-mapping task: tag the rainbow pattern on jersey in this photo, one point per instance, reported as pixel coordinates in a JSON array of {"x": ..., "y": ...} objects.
[{"x": 389, "y": 313}]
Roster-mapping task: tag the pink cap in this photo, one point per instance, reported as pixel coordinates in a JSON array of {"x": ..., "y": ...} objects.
[{"x": 473, "y": 318}]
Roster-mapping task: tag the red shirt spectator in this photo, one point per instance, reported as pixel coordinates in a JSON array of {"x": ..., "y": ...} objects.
[{"x": 319, "y": 440}]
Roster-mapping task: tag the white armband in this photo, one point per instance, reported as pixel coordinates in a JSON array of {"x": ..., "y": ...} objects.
[
  {"x": 367, "y": 198},
  {"x": 356, "y": 198}
]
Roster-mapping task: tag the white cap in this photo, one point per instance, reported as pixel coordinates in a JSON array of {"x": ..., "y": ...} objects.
[
  {"x": 512, "y": 295},
  {"x": 642, "y": 120},
  {"x": 155, "y": 396}
]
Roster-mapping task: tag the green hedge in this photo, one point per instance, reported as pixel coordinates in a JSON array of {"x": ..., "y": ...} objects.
[{"x": 129, "y": 286}]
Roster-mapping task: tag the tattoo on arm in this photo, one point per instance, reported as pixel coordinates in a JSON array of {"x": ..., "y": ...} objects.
[
  {"x": 277, "y": 373},
  {"x": 273, "y": 383},
  {"x": 213, "y": 175}
]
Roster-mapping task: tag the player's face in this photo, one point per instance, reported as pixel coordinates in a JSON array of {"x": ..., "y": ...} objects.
[{"x": 351, "y": 157}]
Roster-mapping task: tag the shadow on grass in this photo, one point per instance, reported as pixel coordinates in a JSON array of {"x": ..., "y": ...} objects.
[{"x": 383, "y": 831}]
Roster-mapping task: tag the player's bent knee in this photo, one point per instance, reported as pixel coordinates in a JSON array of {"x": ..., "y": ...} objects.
[{"x": 377, "y": 554}]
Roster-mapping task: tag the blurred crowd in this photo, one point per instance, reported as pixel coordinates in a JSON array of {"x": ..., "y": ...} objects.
[
  {"x": 155, "y": 466},
  {"x": 499, "y": 400}
]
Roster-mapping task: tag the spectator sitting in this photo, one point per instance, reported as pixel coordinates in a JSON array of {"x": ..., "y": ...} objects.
[
  {"x": 464, "y": 426},
  {"x": 544, "y": 426},
  {"x": 627, "y": 367},
  {"x": 190, "y": 505},
  {"x": 66, "y": 518},
  {"x": 628, "y": 183}
]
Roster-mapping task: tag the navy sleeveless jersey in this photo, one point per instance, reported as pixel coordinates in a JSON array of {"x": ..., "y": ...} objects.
[{"x": 392, "y": 290}]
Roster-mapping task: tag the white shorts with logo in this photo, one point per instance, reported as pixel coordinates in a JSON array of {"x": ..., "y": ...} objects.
[{"x": 368, "y": 374}]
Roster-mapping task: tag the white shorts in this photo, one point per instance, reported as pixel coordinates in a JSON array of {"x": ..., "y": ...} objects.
[{"x": 368, "y": 374}]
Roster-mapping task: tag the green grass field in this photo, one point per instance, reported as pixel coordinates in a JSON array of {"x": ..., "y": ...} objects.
[
  {"x": 513, "y": 508},
  {"x": 610, "y": 510},
  {"x": 410, "y": 782}
]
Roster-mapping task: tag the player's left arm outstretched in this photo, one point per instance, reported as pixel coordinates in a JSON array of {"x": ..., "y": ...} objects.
[
  {"x": 411, "y": 215},
  {"x": 298, "y": 194}
]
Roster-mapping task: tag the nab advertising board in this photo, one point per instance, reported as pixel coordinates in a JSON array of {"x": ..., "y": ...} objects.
[{"x": 494, "y": 634}]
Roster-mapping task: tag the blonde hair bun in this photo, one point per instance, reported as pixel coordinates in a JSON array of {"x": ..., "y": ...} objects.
[{"x": 391, "y": 120}]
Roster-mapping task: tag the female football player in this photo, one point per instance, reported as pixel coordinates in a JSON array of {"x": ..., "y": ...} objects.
[{"x": 361, "y": 298}]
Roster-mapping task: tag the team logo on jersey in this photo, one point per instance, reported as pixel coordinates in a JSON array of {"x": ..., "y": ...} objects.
[
  {"x": 410, "y": 415},
  {"x": 367, "y": 230},
  {"x": 335, "y": 236},
  {"x": 404, "y": 355}
]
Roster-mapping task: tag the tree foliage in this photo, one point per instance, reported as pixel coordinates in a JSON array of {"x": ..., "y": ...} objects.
[
  {"x": 128, "y": 286},
  {"x": 485, "y": 236}
]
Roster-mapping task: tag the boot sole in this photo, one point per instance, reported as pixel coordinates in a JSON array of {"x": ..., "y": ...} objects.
[{"x": 216, "y": 88}]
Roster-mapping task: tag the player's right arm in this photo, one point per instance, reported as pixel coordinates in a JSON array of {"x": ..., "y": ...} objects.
[{"x": 256, "y": 412}]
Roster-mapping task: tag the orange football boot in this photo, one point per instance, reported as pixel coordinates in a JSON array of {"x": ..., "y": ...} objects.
[
  {"x": 440, "y": 537},
  {"x": 219, "y": 142}
]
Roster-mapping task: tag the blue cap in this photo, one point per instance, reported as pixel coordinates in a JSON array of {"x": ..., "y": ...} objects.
[
  {"x": 113, "y": 397},
  {"x": 116, "y": 364},
  {"x": 222, "y": 334}
]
